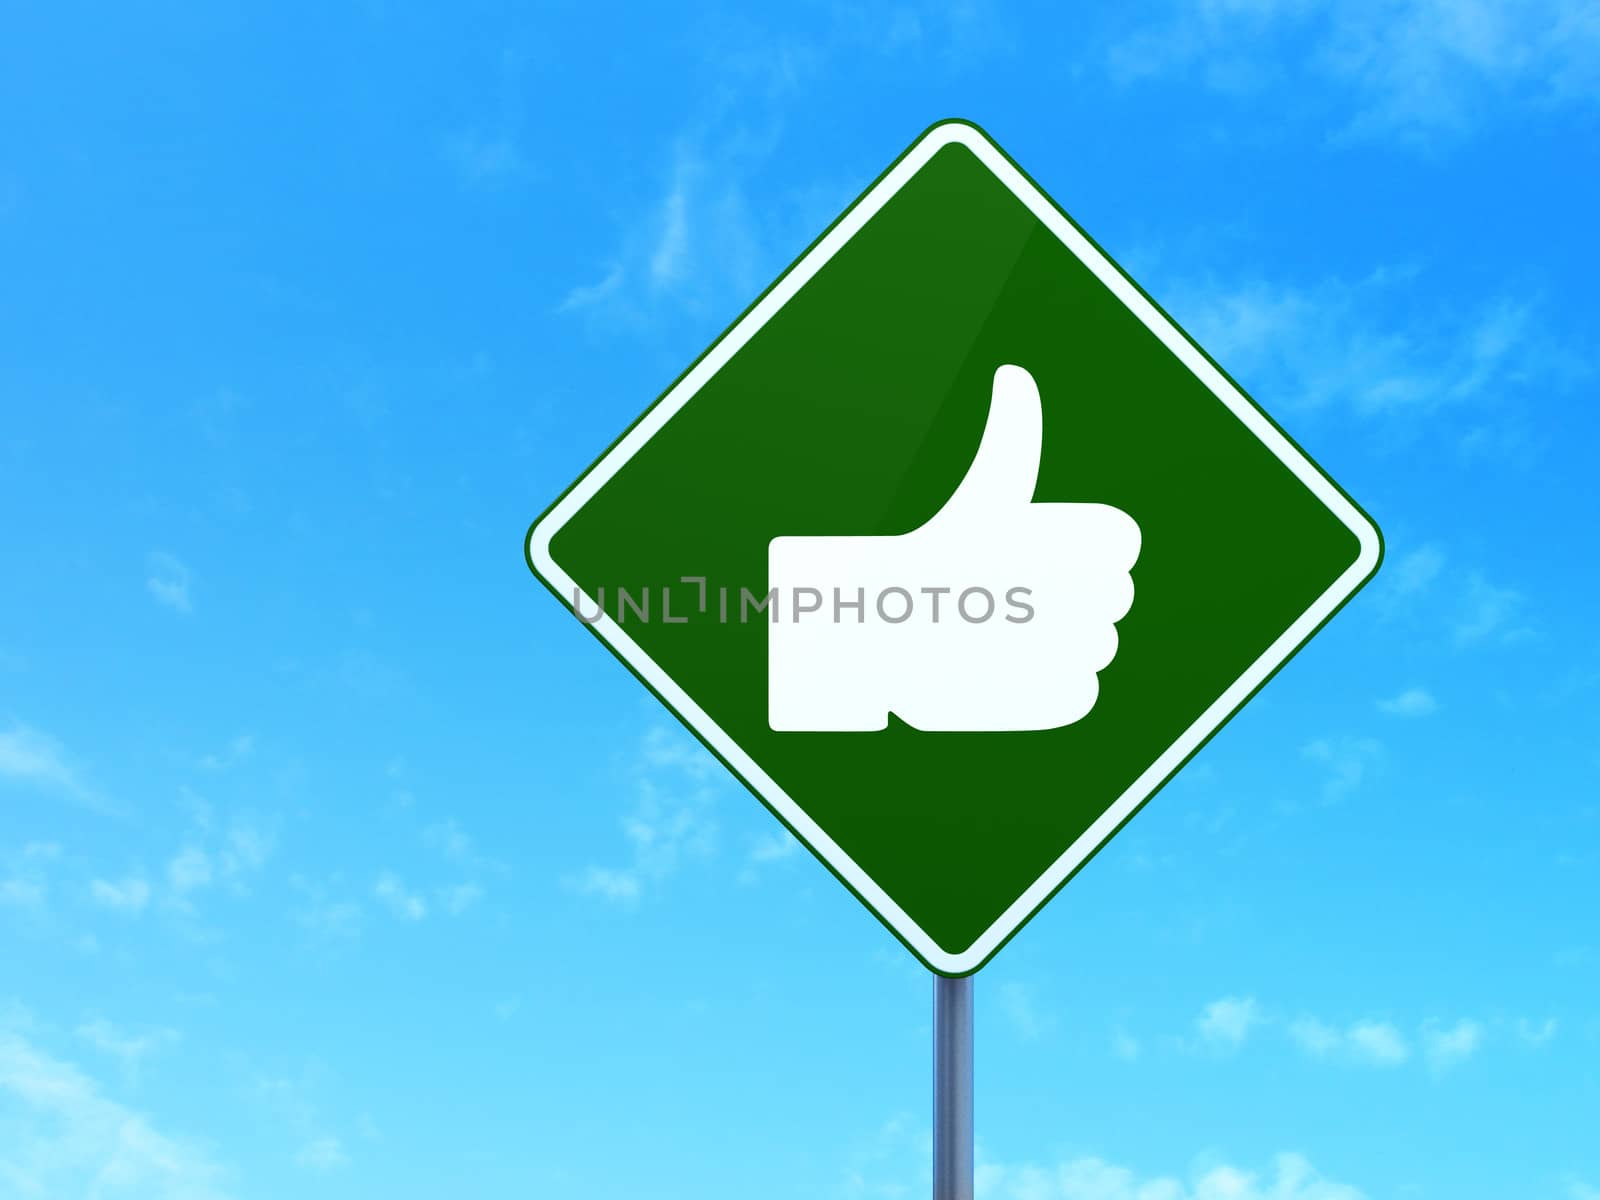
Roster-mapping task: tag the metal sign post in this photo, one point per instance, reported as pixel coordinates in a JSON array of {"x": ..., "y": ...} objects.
[
  {"x": 873, "y": 431},
  {"x": 952, "y": 1088}
]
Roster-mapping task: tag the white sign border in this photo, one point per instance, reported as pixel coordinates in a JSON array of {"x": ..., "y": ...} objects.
[{"x": 936, "y": 139}]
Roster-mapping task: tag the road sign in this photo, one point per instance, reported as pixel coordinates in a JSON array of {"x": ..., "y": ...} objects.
[{"x": 954, "y": 548}]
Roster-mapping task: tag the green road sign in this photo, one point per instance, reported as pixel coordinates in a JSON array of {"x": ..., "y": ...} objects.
[{"x": 954, "y": 548}]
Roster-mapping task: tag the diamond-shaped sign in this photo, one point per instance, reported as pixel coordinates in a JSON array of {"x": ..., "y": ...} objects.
[{"x": 954, "y": 548}]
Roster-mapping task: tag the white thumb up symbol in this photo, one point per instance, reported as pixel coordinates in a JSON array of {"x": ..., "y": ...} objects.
[{"x": 997, "y": 614}]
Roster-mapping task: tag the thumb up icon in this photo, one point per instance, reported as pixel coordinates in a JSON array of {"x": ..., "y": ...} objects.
[{"x": 996, "y": 614}]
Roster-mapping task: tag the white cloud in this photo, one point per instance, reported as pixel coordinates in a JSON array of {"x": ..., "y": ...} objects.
[
  {"x": 230, "y": 859},
  {"x": 27, "y": 885},
  {"x": 1577, "y": 1189},
  {"x": 30, "y": 757},
  {"x": 322, "y": 1154},
  {"x": 1362, "y": 348},
  {"x": 1125, "y": 1046},
  {"x": 452, "y": 843},
  {"x": 1315, "y": 1037},
  {"x": 771, "y": 847},
  {"x": 485, "y": 158},
  {"x": 696, "y": 246},
  {"x": 672, "y": 241},
  {"x": 1377, "y": 1042},
  {"x": 22, "y": 893},
  {"x": 1413, "y": 702},
  {"x": 1227, "y": 1022},
  {"x": 238, "y": 750},
  {"x": 168, "y": 581},
  {"x": 1021, "y": 1009},
  {"x": 616, "y": 886},
  {"x": 450, "y": 840},
  {"x": 1426, "y": 66},
  {"x": 291, "y": 1103},
  {"x": 1289, "y": 1177},
  {"x": 65, "y": 1137},
  {"x": 890, "y": 1164},
  {"x": 189, "y": 869},
  {"x": 1418, "y": 70},
  {"x": 672, "y": 821},
  {"x": 696, "y": 242},
  {"x": 245, "y": 850},
  {"x": 331, "y": 921},
  {"x": 491, "y": 152},
  {"x": 456, "y": 846},
  {"x": 325, "y": 918},
  {"x": 665, "y": 829},
  {"x": 669, "y": 746},
  {"x": 1473, "y": 611},
  {"x": 1415, "y": 571},
  {"x": 591, "y": 295},
  {"x": 405, "y": 904},
  {"x": 129, "y": 1049},
  {"x": 457, "y": 898},
  {"x": 128, "y": 895},
  {"x": 1536, "y": 1034},
  {"x": 1489, "y": 613},
  {"x": 1369, "y": 1043},
  {"x": 1345, "y": 762},
  {"x": 1445, "y": 1047}
]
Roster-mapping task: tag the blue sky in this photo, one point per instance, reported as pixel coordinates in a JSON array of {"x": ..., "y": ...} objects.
[{"x": 336, "y": 859}]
